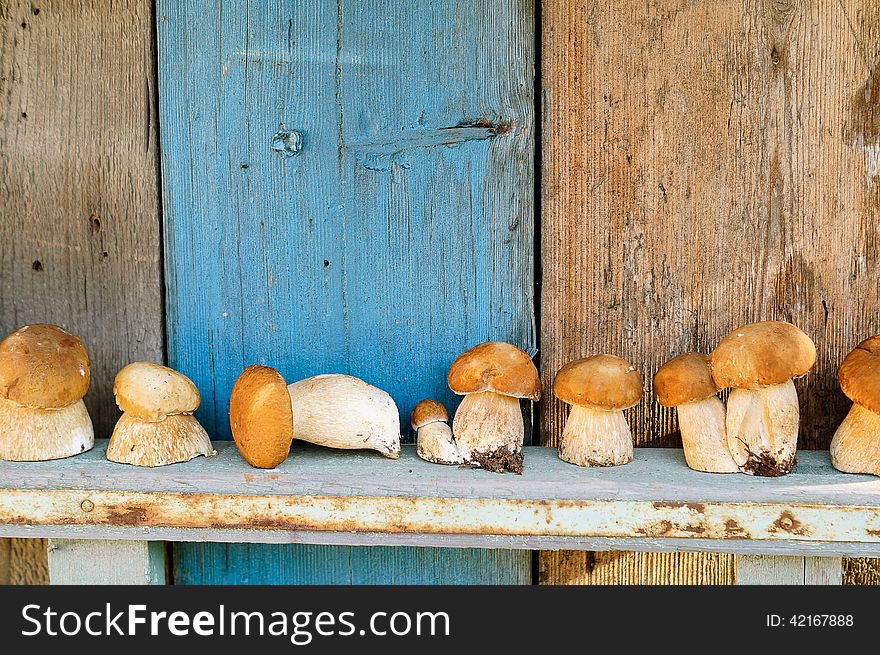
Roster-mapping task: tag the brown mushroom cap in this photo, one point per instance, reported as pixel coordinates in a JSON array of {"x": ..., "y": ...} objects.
[
  {"x": 599, "y": 382},
  {"x": 261, "y": 416},
  {"x": 684, "y": 379},
  {"x": 495, "y": 366},
  {"x": 151, "y": 392},
  {"x": 762, "y": 354},
  {"x": 859, "y": 374},
  {"x": 43, "y": 366},
  {"x": 428, "y": 411}
]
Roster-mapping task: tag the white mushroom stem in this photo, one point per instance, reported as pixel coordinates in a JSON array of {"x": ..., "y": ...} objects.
[
  {"x": 855, "y": 447},
  {"x": 487, "y": 422},
  {"x": 704, "y": 436},
  {"x": 436, "y": 444},
  {"x": 596, "y": 437},
  {"x": 762, "y": 429},
  {"x": 341, "y": 411},
  {"x": 34, "y": 435},
  {"x": 176, "y": 438}
]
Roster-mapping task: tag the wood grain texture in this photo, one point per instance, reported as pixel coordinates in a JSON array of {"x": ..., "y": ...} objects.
[
  {"x": 199, "y": 563},
  {"x": 392, "y": 230},
  {"x": 706, "y": 165},
  {"x": 23, "y": 561},
  {"x": 79, "y": 223},
  {"x": 99, "y": 562},
  {"x": 618, "y": 568},
  {"x": 757, "y": 570}
]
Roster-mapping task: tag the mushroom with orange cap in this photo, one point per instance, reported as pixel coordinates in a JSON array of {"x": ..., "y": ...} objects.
[
  {"x": 332, "y": 410},
  {"x": 434, "y": 437},
  {"x": 759, "y": 361},
  {"x": 855, "y": 447},
  {"x": 157, "y": 426},
  {"x": 598, "y": 388},
  {"x": 44, "y": 374},
  {"x": 685, "y": 382},
  {"x": 488, "y": 426}
]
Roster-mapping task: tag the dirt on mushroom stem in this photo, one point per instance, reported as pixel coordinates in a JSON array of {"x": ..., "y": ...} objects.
[{"x": 501, "y": 460}]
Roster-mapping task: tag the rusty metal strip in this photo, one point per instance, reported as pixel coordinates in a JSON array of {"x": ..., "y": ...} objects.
[{"x": 474, "y": 516}]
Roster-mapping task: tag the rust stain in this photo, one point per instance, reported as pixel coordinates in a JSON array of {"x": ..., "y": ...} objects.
[
  {"x": 694, "y": 507},
  {"x": 788, "y": 523},
  {"x": 733, "y": 530},
  {"x": 657, "y": 529},
  {"x": 873, "y": 533},
  {"x": 124, "y": 515}
]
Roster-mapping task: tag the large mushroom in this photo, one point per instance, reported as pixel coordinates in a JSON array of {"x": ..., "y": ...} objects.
[
  {"x": 488, "y": 426},
  {"x": 44, "y": 374},
  {"x": 598, "y": 388},
  {"x": 332, "y": 410},
  {"x": 759, "y": 361},
  {"x": 157, "y": 427},
  {"x": 685, "y": 382},
  {"x": 855, "y": 447},
  {"x": 434, "y": 437}
]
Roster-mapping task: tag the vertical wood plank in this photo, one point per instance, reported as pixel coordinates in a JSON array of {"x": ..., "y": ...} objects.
[
  {"x": 91, "y": 562},
  {"x": 393, "y": 230},
  {"x": 705, "y": 165},
  {"x": 760, "y": 570},
  {"x": 200, "y": 563},
  {"x": 23, "y": 561},
  {"x": 79, "y": 217}
]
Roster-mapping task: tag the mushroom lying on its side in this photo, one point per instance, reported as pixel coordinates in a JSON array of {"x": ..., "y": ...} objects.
[
  {"x": 157, "y": 427},
  {"x": 685, "y": 382},
  {"x": 332, "y": 410},
  {"x": 44, "y": 374},
  {"x": 759, "y": 361},
  {"x": 855, "y": 447},
  {"x": 488, "y": 425},
  {"x": 434, "y": 436},
  {"x": 598, "y": 388}
]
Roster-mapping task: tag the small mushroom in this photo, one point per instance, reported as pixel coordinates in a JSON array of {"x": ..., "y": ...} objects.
[
  {"x": 855, "y": 447},
  {"x": 598, "y": 388},
  {"x": 685, "y": 382},
  {"x": 488, "y": 425},
  {"x": 332, "y": 410},
  {"x": 157, "y": 426},
  {"x": 758, "y": 361},
  {"x": 434, "y": 436},
  {"x": 44, "y": 374}
]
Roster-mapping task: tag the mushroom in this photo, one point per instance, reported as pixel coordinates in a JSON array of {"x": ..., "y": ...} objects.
[
  {"x": 685, "y": 382},
  {"x": 758, "y": 361},
  {"x": 157, "y": 426},
  {"x": 44, "y": 374},
  {"x": 488, "y": 425},
  {"x": 332, "y": 410},
  {"x": 598, "y": 388},
  {"x": 434, "y": 436},
  {"x": 855, "y": 447}
]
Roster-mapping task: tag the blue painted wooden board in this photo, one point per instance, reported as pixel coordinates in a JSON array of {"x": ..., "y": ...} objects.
[{"x": 393, "y": 232}]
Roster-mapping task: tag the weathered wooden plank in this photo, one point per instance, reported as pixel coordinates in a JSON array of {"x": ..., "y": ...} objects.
[
  {"x": 626, "y": 568},
  {"x": 23, "y": 561},
  {"x": 198, "y": 564},
  {"x": 322, "y": 496},
  {"x": 755, "y": 569},
  {"x": 705, "y": 165},
  {"x": 78, "y": 188},
  {"x": 91, "y": 562},
  {"x": 387, "y": 229}
]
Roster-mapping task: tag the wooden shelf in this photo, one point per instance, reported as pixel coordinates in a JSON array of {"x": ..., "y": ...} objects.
[{"x": 359, "y": 498}]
